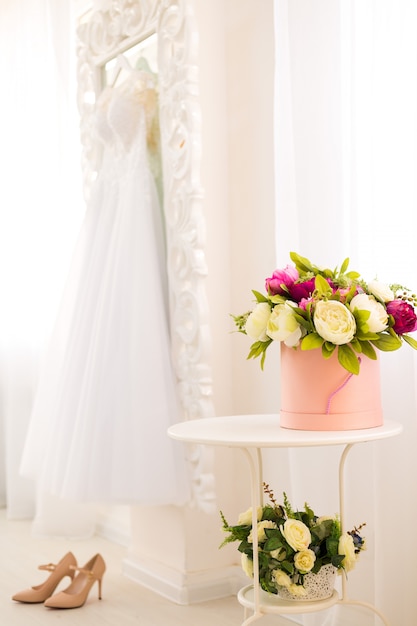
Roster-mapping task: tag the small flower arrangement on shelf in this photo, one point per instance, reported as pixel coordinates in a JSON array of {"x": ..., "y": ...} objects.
[
  {"x": 315, "y": 307},
  {"x": 292, "y": 544}
]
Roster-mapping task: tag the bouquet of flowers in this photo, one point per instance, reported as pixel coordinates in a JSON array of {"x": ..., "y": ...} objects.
[
  {"x": 315, "y": 307},
  {"x": 292, "y": 544}
]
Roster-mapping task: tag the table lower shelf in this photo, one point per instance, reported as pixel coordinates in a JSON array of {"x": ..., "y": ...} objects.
[{"x": 270, "y": 603}]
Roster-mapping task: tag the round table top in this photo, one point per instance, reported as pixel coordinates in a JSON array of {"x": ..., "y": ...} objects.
[{"x": 264, "y": 431}]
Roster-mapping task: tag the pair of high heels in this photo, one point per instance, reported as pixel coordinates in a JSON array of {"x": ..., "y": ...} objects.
[{"x": 76, "y": 593}]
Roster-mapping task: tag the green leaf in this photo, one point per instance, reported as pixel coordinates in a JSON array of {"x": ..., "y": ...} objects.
[
  {"x": 272, "y": 532},
  {"x": 246, "y": 548},
  {"x": 273, "y": 513},
  {"x": 263, "y": 561},
  {"x": 351, "y": 293},
  {"x": 387, "y": 343},
  {"x": 410, "y": 340},
  {"x": 259, "y": 296},
  {"x": 301, "y": 262},
  {"x": 317, "y": 566},
  {"x": 344, "y": 266},
  {"x": 323, "y": 530},
  {"x": 348, "y": 359},
  {"x": 266, "y": 582},
  {"x": 268, "y": 513},
  {"x": 309, "y": 342},
  {"x": 272, "y": 544},
  {"x": 356, "y": 345},
  {"x": 361, "y": 316},
  {"x": 257, "y": 348},
  {"x": 262, "y": 363},
  {"x": 368, "y": 350},
  {"x": 353, "y": 275},
  {"x": 289, "y": 567},
  {"x": 309, "y": 513},
  {"x": 337, "y": 560},
  {"x": 327, "y": 273},
  {"x": 303, "y": 322},
  {"x": 277, "y": 299},
  {"x": 366, "y": 336},
  {"x": 301, "y": 312},
  {"x": 240, "y": 321},
  {"x": 332, "y": 546},
  {"x": 240, "y": 533},
  {"x": 322, "y": 287},
  {"x": 327, "y": 349}
]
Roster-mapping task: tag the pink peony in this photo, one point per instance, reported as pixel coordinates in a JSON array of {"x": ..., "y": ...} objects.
[
  {"x": 303, "y": 303},
  {"x": 301, "y": 291},
  {"x": 404, "y": 316},
  {"x": 343, "y": 293},
  {"x": 287, "y": 276}
]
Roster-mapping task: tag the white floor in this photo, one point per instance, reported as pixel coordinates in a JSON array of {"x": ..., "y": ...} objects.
[{"x": 124, "y": 603}]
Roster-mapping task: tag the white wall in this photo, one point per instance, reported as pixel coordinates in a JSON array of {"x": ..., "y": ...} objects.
[
  {"x": 250, "y": 84},
  {"x": 237, "y": 68}
]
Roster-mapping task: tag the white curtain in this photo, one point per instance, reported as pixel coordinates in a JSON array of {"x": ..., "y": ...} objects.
[
  {"x": 346, "y": 163},
  {"x": 41, "y": 208}
]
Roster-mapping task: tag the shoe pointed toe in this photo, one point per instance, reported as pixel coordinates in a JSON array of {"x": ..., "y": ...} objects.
[
  {"x": 61, "y": 600},
  {"x": 23, "y": 596},
  {"x": 31, "y": 596},
  {"x": 39, "y": 593}
]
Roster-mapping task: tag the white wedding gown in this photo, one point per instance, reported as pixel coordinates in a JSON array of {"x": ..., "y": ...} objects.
[{"x": 106, "y": 395}]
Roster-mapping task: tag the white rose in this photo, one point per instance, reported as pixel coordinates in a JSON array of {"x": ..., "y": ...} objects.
[
  {"x": 261, "y": 530},
  {"x": 282, "y": 326},
  {"x": 381, "y": 291},
  {"x": 255, "y": 326},
  {"x": 347, "y": 548},
  {"x": 324, "y": 518},
  {"x": 281, "y": 578},
  {"x": 304, "y": 560},
  {"x": 247, "y": 565},
  {"x": 378, "y": 319},
  {"x": 334, "y": 322},
  {"x": 297, "y": 534},
  {"x": 297, "y": 590},
  {"x": 245, "y": 518},
  {"x": 278, "y": 554}
]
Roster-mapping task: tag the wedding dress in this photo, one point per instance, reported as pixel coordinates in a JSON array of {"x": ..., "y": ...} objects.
[{"x": 106, "y": 395}]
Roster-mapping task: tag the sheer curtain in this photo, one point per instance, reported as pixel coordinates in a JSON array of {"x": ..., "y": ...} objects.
[
  {"x": 41, "y": 207},
  {"x": 346, "y": 162}
]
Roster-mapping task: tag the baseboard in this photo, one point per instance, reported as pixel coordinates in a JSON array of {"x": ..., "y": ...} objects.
[{"x": 184, "y": 588}]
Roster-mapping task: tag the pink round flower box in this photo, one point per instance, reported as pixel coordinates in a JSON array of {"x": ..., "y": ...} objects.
[{"x": 319, "y": 394}]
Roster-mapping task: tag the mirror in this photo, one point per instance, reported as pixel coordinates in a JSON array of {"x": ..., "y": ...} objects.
[{"x": 163, "y": 32}]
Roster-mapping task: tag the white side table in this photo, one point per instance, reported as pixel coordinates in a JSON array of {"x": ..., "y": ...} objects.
[{"x": 252, "y": 433}]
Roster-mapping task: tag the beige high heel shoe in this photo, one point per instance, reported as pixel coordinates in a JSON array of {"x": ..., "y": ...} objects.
[
  {"x": 40, "y": 593},
  {"x": 76, "y": 594}
]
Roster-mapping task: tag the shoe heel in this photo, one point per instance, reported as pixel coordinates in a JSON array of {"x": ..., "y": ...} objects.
[{"x": 76, "y": 594}]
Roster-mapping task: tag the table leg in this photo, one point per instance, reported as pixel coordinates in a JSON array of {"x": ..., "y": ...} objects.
[
  {"x": 254, "y": 457},
  {"x": 344, "y": 599}
]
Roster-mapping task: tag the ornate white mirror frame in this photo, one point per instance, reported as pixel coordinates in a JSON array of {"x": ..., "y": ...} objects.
[{"x": 102, "y": 35}]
